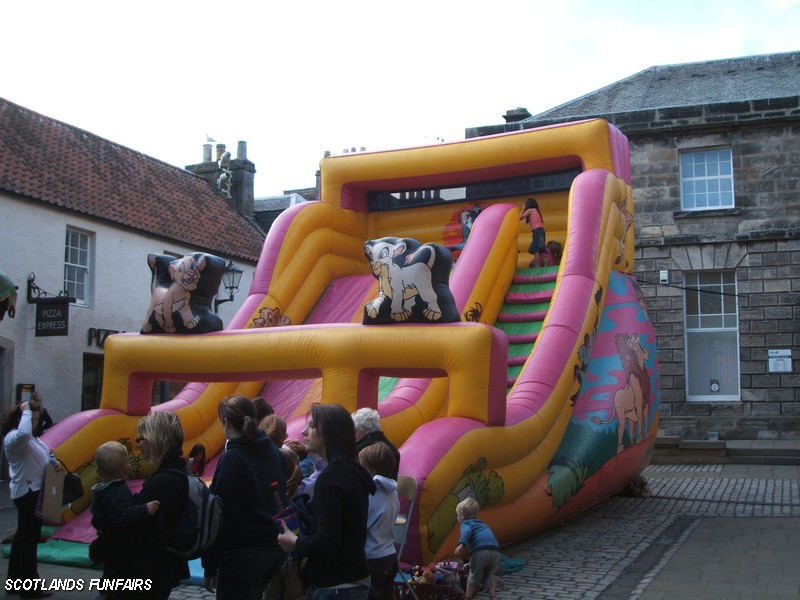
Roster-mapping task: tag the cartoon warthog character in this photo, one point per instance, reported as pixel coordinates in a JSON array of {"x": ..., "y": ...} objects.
[{"x": 181, "y": 292}]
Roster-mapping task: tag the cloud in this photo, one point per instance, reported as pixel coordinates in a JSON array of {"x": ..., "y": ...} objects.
[{"x": 297, "y": 79}]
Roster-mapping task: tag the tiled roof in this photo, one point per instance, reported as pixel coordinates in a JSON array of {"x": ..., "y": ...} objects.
[
  {"x": 45, "y": 160},
  {"x": 273, "y": 202},
  {"x": 690, "y": 84},
  {"x": 306, "y": 193}
]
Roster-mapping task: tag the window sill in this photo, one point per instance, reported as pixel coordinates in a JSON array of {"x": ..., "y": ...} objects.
[
  {"x": 703, "y": 214},
  {"x": 713, "y": 399}
]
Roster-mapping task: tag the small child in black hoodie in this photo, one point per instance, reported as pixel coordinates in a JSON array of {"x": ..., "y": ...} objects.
[{"x": 115, "y": 515}]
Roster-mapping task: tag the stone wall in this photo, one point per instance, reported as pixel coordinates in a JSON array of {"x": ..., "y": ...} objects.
[{"x": 759, "y": 239}]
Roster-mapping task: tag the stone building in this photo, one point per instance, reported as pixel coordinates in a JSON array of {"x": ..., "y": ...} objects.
[{"x": 715, "y": 150}]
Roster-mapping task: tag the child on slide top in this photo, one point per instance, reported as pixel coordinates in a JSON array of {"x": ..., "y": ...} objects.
[
  {"x": 117, "y": 519},
  {"x": 531, "y": 214},
  {"x": 484, "y": 549}
]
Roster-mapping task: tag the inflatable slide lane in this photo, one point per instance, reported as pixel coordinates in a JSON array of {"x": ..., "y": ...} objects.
[{"x": 539, "y": 398}]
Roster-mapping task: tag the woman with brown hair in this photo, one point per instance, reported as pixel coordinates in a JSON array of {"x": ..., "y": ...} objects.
[
  {"x": 337, "y": 563},
  {"x": 246, "y": 555}
]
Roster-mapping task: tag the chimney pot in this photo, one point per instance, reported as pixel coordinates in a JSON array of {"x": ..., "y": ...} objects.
[
  {"x": 206, "y": 153},
  {"x": 220, "y": 151},
  {"x": 241, "y": 150}
]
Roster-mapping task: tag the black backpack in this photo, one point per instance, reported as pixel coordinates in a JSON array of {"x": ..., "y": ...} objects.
[{"x": 199, "y": 524}]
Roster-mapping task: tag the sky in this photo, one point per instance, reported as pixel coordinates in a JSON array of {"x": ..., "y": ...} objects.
[{"x": 296, "y": 79}]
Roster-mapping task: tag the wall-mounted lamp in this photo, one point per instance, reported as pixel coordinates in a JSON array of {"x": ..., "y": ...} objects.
[{"x": 230, "y": 281}]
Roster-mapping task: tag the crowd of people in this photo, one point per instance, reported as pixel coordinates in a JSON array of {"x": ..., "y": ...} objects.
[{"x": 344, "y": 464}]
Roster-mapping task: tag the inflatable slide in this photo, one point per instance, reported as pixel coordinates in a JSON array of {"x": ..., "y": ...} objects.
[{"x": 540, "y": 401}]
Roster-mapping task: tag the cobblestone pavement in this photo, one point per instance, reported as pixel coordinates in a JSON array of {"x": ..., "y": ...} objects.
[
  {"x": 707, "y": 531},
  {"x": 617, "y": 549}
]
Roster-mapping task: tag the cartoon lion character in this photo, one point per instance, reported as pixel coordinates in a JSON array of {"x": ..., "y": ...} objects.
[
  {"x": 631, "y": 402},
  {"x": 270, "y": 317},
  {"x": 413, "y": 282}
]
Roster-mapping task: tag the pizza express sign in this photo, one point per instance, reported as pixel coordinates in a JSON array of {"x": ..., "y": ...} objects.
[{"x": 52, "y": 317}]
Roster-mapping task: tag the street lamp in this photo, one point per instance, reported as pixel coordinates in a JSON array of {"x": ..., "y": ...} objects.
[{"x": 230, "y": 280}]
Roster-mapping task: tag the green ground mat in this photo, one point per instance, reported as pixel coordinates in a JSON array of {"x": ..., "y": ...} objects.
[{"x": 60, "y": 552}]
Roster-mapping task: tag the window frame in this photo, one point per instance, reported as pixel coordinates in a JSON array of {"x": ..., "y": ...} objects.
[
  {"x": 724, "y": 321},
  {"x": 721, "y": 180},
  {"x": 71, "y": 283}
]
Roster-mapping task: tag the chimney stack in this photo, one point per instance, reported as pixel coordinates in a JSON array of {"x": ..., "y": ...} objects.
[
  {"x": 242, "y": 188},
  {"x": 514, "y": 115}
]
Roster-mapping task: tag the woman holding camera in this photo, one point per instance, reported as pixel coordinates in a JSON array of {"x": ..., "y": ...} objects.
[{"x": 27, "y": 459}]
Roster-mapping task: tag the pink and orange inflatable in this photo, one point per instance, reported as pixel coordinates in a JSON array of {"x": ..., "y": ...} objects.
[{"x": 540, "y": 399}]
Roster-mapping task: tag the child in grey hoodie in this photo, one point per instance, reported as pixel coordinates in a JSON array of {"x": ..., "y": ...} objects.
[{"x": 384, "y": 505}]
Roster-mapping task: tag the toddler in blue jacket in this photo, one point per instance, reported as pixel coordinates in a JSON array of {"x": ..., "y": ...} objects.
[{"x": 484, "y": 549}]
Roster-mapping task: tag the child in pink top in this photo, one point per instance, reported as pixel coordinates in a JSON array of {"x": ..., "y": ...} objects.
[{"x": 530, "y": 214}]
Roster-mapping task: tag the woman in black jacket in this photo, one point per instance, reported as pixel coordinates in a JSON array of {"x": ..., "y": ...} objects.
[
  {"x": 251, "y": 482},
  {"x": 337, "y": 564},
  {"x": 160, "y": 439}
]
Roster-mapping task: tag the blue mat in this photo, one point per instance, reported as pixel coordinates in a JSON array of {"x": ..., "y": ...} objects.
[
  {"x": 510, "y": 565},
  {"x": 195, "y": 573}
]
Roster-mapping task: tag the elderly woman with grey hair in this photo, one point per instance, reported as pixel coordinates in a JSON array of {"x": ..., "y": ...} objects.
[{"x": 367, "y": 422}]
